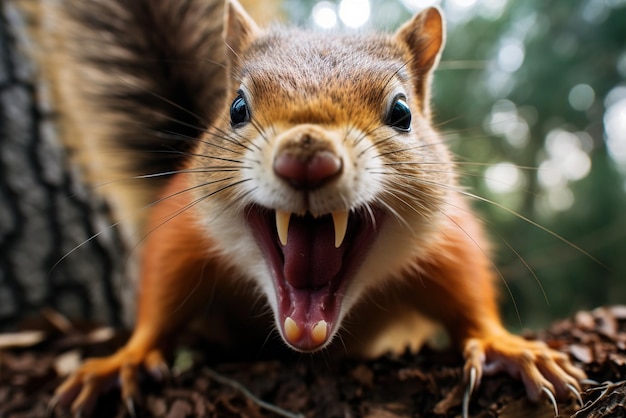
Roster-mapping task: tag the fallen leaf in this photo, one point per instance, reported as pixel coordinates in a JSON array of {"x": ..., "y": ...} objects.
[
  {"x": 101, "y": 335},
  {"x": 582, "y": 353},
  {"x": 67, "y": 363},
  {"x": 21, "y": 339}
]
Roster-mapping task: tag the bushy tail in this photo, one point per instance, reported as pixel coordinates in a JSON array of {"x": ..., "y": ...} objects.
[
  {"x": 156, "y": 68},
  {"x": 135, "y": 83}
]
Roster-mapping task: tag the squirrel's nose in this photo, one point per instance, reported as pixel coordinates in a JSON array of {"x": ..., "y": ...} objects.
[{"x": 307, "y": 170}]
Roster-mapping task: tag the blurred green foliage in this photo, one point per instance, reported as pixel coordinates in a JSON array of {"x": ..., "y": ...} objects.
[{"x": 538, "y": 85}]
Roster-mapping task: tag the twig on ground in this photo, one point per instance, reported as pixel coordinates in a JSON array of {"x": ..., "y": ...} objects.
[{"x": 239, "y": 387}]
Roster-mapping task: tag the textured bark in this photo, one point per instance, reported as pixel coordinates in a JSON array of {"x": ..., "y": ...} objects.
[
  {"x": 56, "y": 250},
  {"x": 55, "y": 245}
]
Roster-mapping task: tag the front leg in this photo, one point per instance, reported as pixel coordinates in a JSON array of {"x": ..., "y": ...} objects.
[
  {"x": 455, "y": 284},
  {"x": 177, "y": 275}
]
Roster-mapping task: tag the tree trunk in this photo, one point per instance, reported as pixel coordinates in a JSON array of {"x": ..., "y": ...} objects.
[{"x": 56, "y": 247}]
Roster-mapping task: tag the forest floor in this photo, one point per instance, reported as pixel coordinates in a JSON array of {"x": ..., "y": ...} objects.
[{"x": 427, "y": 384}]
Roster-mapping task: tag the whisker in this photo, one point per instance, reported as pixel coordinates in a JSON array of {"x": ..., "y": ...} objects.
[
  {"x": 397, "y": 71},
  {"x": 164, "y": 99},
  {"x": 458, "y": 174},
  {"x": 462, "y": 65},
  {"x": 212, "y": 169},
  {"x": 411, "y": 196},
  {"x": 517, "y": 254},
  {"x": 193, "y": 154},
  {"x": 496, "y": 269},
  {"x": 201, "y": 276},
  {"x": 458, "y": 163},
  {"x": 518, "y": 215},
  {"x": 239, "y": 199},
  {"x": 228, "y": 136},
  {"x": 414, "y": 147},
  {"x": 257, "y": 127},
  {"x": 214, "y": 131},
  {"x": 376, "y": 143},
  {"x": 82, "y": 244},
  {"x": 370, "y": 212},
  {"x": 179, "y": 136},
  {"x": 368, "y": 130},
  {"x": 186, "y": 207},
  {"x": 221, "y": 134},
  {"x": 118, "y": 223},
  {"x": 443, "y": 123},
  {"x": 395, "y": 214},
  {"x": 536, "y": 225},
  {"x": 526, "y": 265}
]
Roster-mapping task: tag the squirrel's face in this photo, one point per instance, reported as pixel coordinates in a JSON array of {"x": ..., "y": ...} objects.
[{"x": 328, "y": 172}]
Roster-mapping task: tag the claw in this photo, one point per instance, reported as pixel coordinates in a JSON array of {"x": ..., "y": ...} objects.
[
  {"x": 552, "y": 399},
  {"x": 590, "y": 382},
  {"x": 54, "y": 401},
  {"x": 128, "y": 383},
  {"x": 156, "y": 365},
  {"x": 471, "y": 386},
  {"x": 575, "y": 392},
  {"x": 465, "y": 407},
  {"x": 160, "y": 372},
  {"x": 130, "y": 407}
]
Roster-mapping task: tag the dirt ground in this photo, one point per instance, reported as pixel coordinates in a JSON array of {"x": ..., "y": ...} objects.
[{"x": 428, "y": 384}]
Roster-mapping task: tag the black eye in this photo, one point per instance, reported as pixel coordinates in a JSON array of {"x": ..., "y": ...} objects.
[
  {"x": 400, "y": 115},
  {"x": 239, "y": 113}
]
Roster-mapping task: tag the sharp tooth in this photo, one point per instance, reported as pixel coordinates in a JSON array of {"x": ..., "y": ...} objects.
[
  {"x": 282, "y": 225},
  {"x": 319, "y": 332},
  {"x": 292, "y": 331},
  {"x": 340, "y": 219}
]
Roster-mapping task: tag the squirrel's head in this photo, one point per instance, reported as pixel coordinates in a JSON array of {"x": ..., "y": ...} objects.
[{"x": 325, "y": 172}]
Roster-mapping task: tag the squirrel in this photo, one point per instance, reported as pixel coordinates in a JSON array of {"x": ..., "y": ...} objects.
[{"x": 301, "y": 187}]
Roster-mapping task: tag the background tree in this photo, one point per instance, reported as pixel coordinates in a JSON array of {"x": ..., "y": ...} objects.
[{"x": 46, "y": 212}]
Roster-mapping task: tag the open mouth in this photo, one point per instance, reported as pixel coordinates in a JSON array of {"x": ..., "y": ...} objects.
[{"x": 312, "y": 259}]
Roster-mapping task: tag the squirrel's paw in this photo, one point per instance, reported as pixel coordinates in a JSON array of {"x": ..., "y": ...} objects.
[
  {"x": 96, "y": 376},
  {"x": 544, "y": 371}
]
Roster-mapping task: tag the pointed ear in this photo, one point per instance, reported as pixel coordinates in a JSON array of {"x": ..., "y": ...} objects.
[
  {"x": 239, "y": 30},
  {"x": 423, "y": 36}
]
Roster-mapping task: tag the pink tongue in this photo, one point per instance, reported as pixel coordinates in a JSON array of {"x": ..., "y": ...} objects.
[{"x": 311, "y": 260}]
